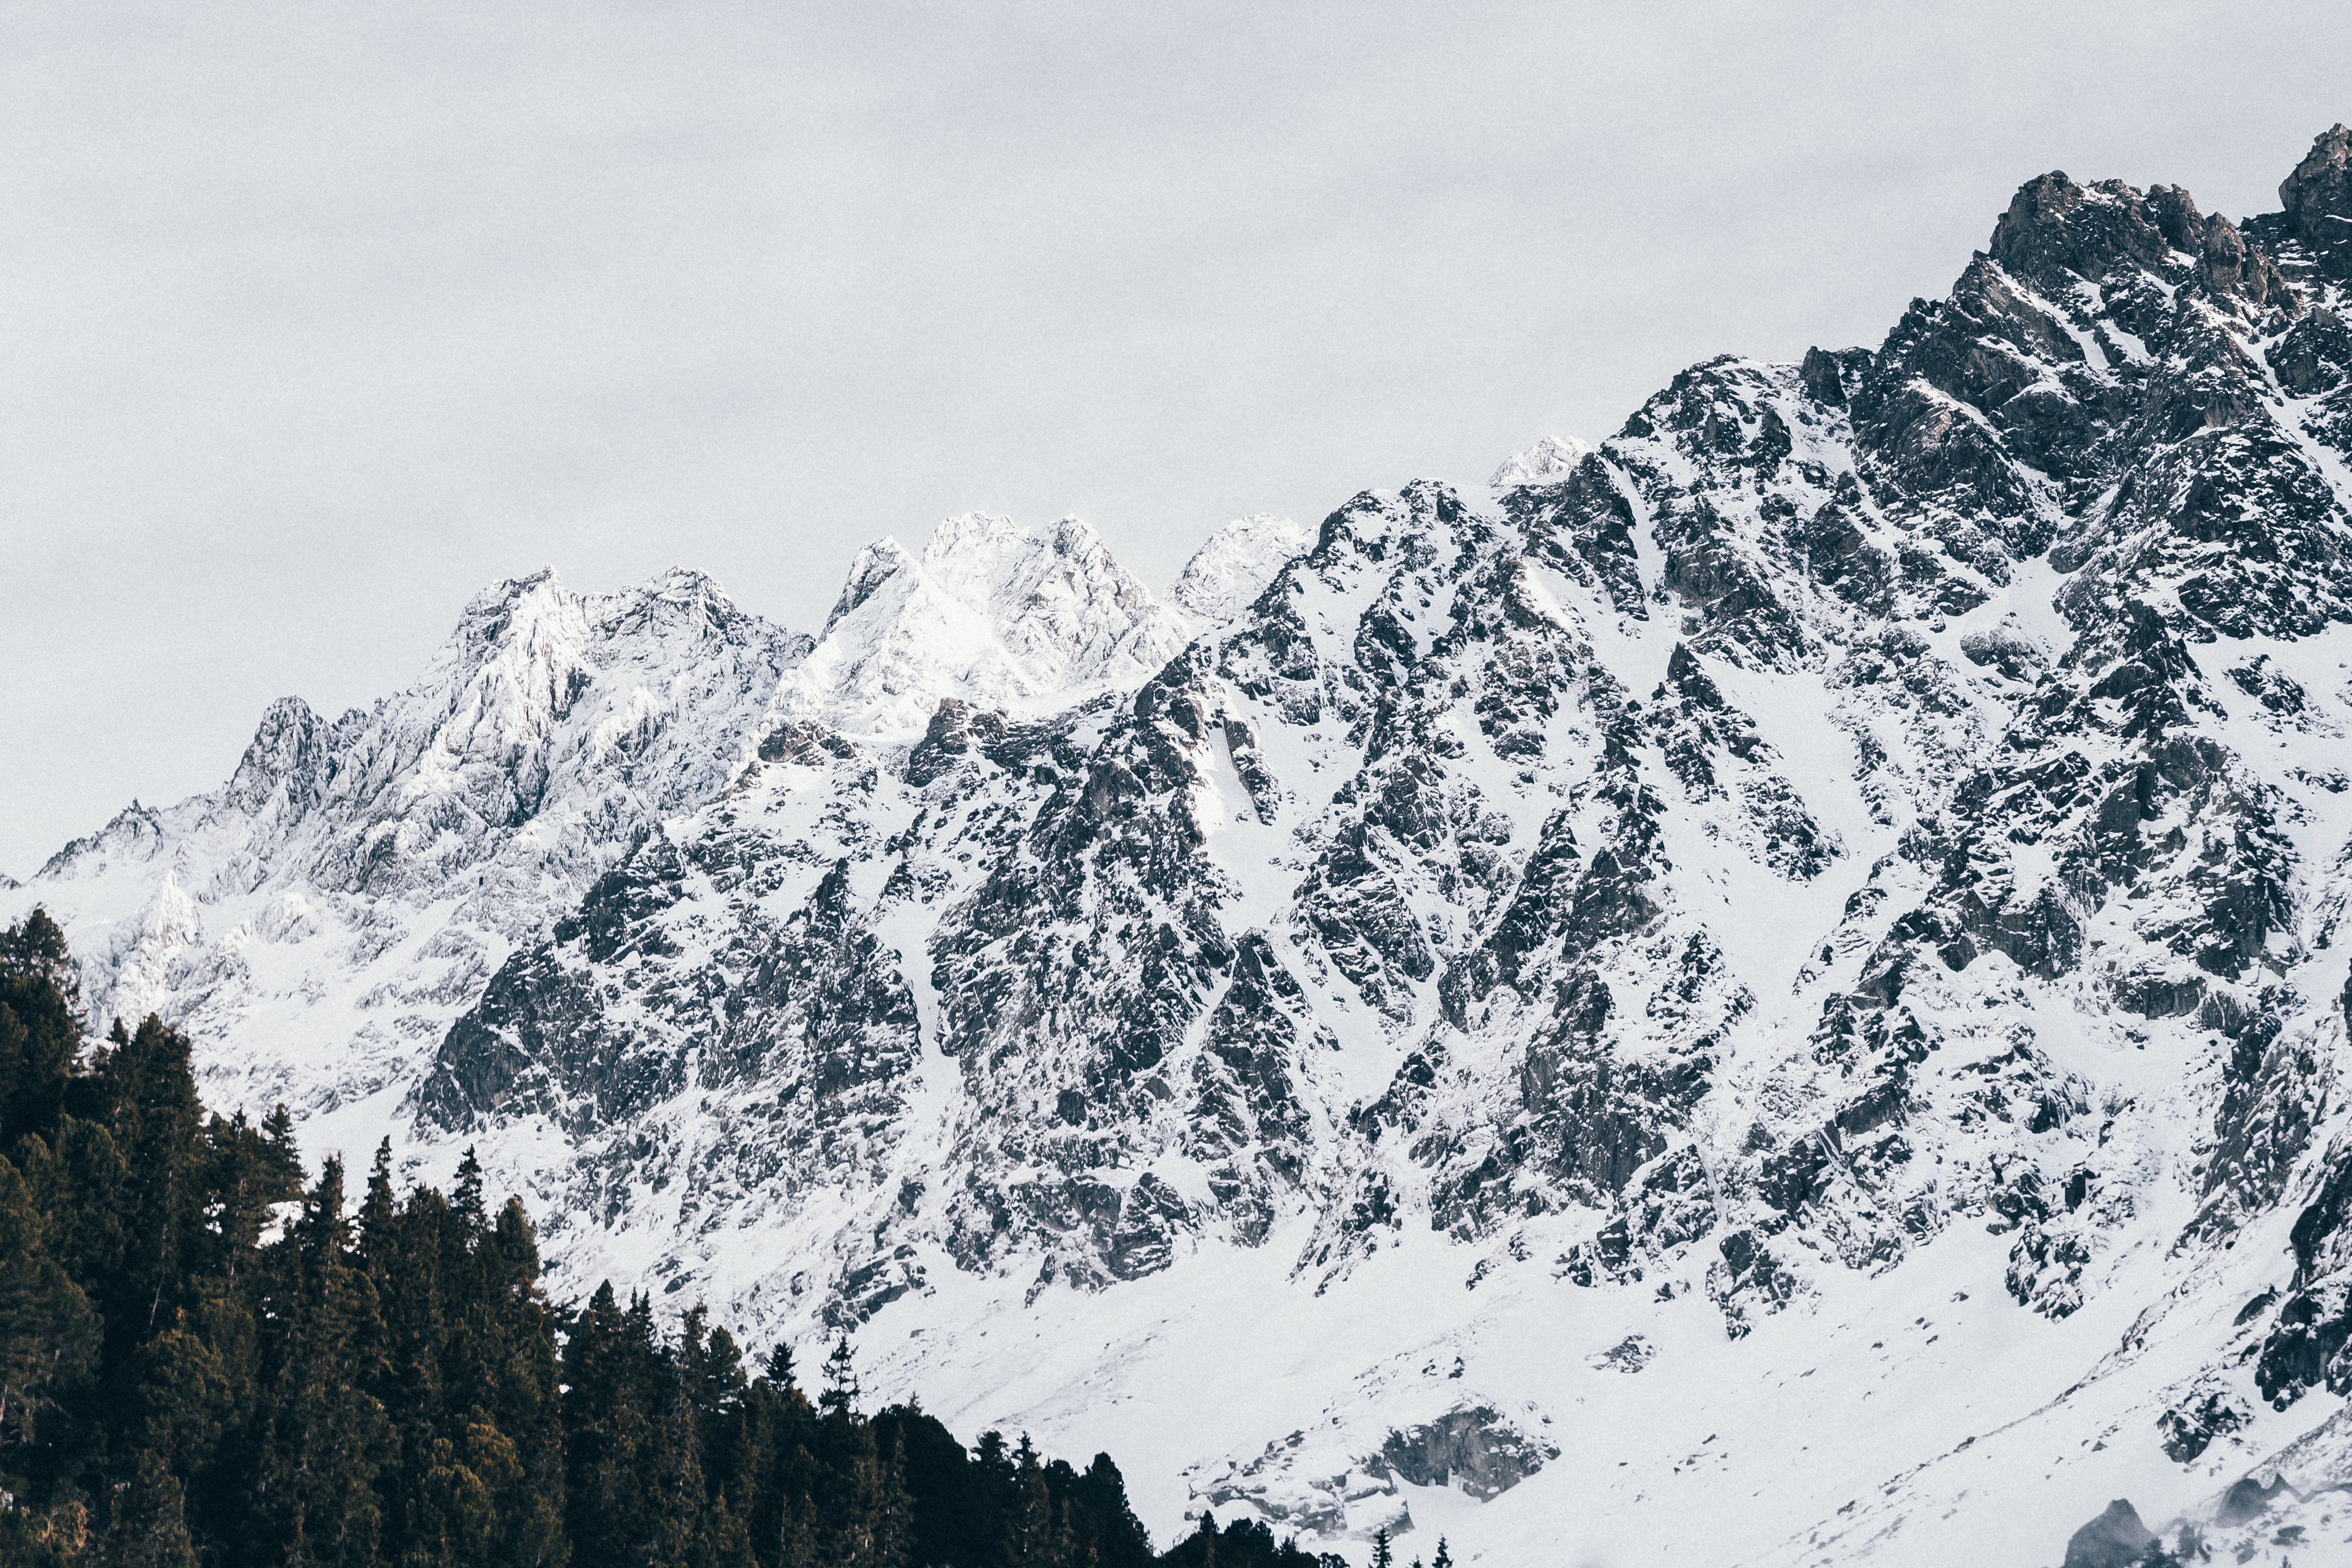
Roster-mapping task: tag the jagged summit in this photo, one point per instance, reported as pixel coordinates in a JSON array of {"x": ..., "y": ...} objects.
[
  {"x": 384, "y": 861},
  {"x": 1770, "y": 989},
  {"x": 1234, "y": 566},
  {"x": 2317, "y": 203},
  {"x": 1550, "y": 458},
  {"x": 1015, "y": 619}
]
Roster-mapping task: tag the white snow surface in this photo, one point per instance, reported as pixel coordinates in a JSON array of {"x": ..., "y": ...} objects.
[
  {"x": 1013, "y": 619},
  {"x": 1551, "y": 457},
  {"x": 1233, "y": 568}
]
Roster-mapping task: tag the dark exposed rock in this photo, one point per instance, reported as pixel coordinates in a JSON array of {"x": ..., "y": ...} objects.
[
  {"x": 2189, "y": 1428},
  {"x": 957, "y": 731},
  {"x": 1477, "y": 1450},
  {"x": 1827, "y": 375},
  {"x": 2248, "y": 1500},
  {"x": 1584, "y": 526},
  {"x": 2116, "y": 1538},
  {"x": 2315, "y": 355},
  {"x": 2317, "y": 201}
]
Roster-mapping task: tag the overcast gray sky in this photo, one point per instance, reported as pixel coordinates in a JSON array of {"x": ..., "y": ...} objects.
[{"x": 320, "y": 317}]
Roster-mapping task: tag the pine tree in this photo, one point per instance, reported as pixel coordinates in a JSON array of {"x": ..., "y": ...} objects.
[
  {"x": 150, "y": 1529},
  {"x": 40, "y": 1038},
  {"x": 378, "y": 1216},
  {"x": 1203, "y": 1545},
  {"x": 726, "y": 1539},
  {"x": 244, "y": 1176},
  {"x": 78, "y": 1183},
  {"x": 780, "y": 1368},
  {"x": 189, "y": 1393},
  {"x": 995, "y": 1480},
  {"x": 44, "y": 1538},
  {"x": 467, "y": 1198},
  {"x": 839, "y": 1399},
  {"x": 1444, "y": 1559},
  {"x": 797, "y": 1536},
  {"x": 150, "y": 1090},
  {"x": 1383, "y": 1556},
  {"x": 323, "y": 1438},
  {"x": 521, "y": 1380},
  {"x": 48, "y": 1334},
  {"x": 1039, "y": 1536},
  {"x": 1107, "y": 1524},
  {"x": 894, "y": 1532}
]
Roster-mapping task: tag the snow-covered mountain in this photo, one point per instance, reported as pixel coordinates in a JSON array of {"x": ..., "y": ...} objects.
[
  {"x": 989, "y": 613},
  {"x": 1766, "y": 989},
  {"x": 321, "y": 920}
]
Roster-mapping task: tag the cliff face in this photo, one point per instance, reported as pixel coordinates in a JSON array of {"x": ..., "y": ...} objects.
[{"x": 1463, "y": 1017}]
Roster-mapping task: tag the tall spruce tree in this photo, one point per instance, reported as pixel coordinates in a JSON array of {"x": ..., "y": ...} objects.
[
  {"x": 324, "y": 1438},
  {"x": 841, "y": 1393},
  {"x": 150, "y": 1528},
  {"x": 48, "y": 1334}
]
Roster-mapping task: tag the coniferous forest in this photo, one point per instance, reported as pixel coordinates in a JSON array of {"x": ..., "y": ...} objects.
[{"x": 207, "y": 1359}]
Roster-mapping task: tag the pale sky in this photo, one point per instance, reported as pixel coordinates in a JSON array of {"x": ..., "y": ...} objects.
[{"x": 320, "y": 317}]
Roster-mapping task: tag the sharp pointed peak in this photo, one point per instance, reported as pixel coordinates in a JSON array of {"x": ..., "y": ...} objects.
[
  {"x": 507, "y": 589},
  {"x": 1552, "y": 457}
]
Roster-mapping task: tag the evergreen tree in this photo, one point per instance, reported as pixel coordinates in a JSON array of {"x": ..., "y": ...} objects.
[
  {"x": 780, "y": 1368},
  {"x": 894, "y": 1514},
  {"x": 44, "y": 1538},
  {"x": 1041, "y": 1536},
  {"x": 1108, "y": 1532},
  {"x": 839, "y": 1399},
  {"x": 796, "y": 1538},
  {"x": 467, "y": 1198},
  {"x": 78, "y": 1181},
  {"x": 48, "y": 1335},
  {"x": 150, "y": 1090},
  {"x": 1444, "y": 1559},
  {"x": 194, "y": 1383},
  {"x": 323, "y": 1438},
  {"x": 40, "y": 1038},
  {"x": 1383, "y": 1556},
  {"x": 150, "y": 1529},
  {"x": 995, "y": 1500}
]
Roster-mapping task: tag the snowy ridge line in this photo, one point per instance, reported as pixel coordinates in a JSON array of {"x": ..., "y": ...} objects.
[{"x": 1669, "y": 1003}]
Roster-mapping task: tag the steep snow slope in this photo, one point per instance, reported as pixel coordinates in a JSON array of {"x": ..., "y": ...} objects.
[{"x": 1766, "y": 990}]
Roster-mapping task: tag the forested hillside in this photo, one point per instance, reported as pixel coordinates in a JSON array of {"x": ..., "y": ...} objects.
[{"x": 204, "y": 1360}]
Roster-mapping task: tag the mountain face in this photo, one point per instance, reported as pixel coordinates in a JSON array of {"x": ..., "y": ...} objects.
[
  {"x": 329, "y": 912},
  {"x": 1769, "y": 989}
]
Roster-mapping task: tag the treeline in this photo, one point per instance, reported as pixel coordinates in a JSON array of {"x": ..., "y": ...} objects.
[{"x": 205, "y": 1360}]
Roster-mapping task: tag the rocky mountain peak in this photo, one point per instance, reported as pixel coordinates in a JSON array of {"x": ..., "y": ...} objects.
[
  {"x": 991, "y": 613},
  {"x": 869, "y": 569},
  {"x": 2317, "y": 199},
  {"x": 290, "y": 749},
  {"x": 1234, "y": 566},
  {"x": 2054, "y": 226},
  {"x": 1551, "y": 458}
]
